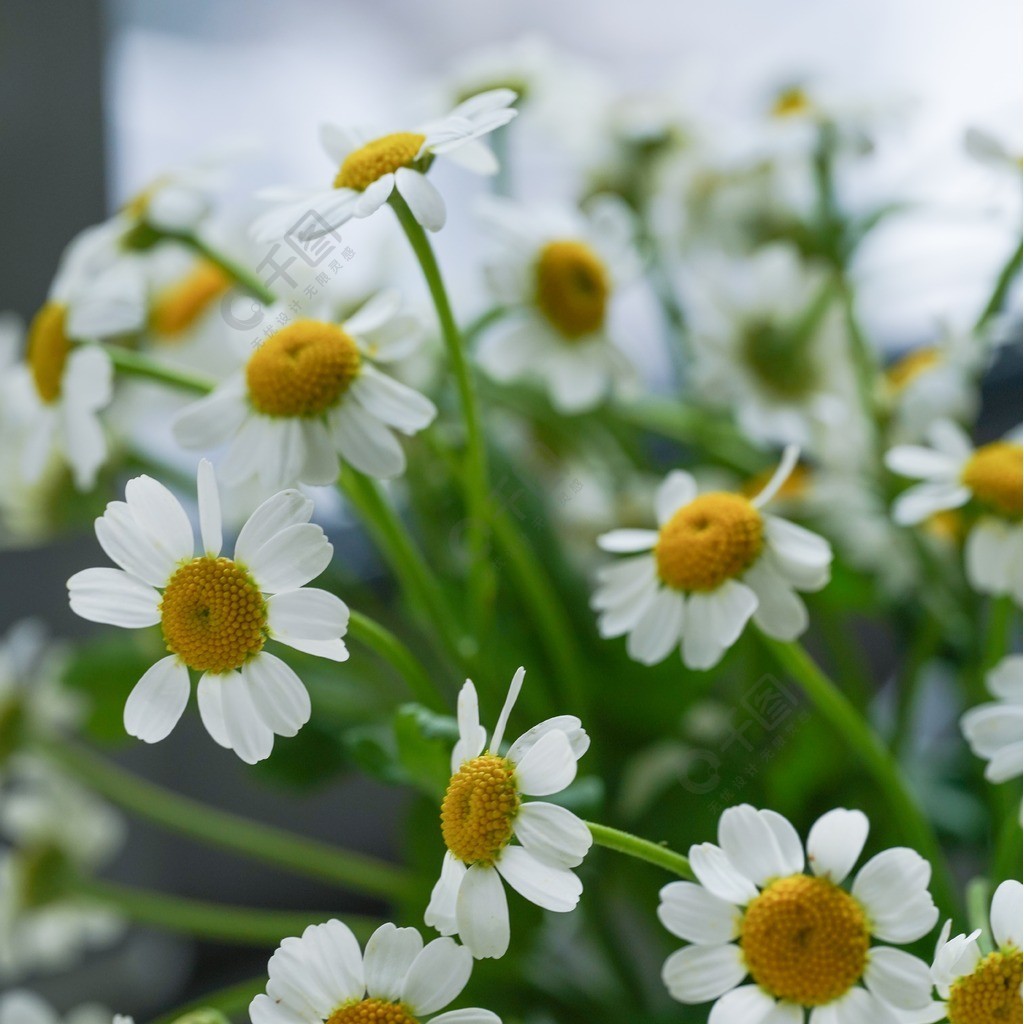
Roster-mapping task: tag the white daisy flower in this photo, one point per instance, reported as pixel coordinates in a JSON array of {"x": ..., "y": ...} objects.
[
  {"x": 716, "y": 561},
  {"x": 760, "y": 353},
  {"x": 310, "y": 393},
  {"x": 558, "y": 273},
  {"x": 323, "y": 976},
  {"x": 802, "y": 939},
  {"x": 995, "y": 731},
  {"x": 20, "y": 1006},
  {"x": 483, "y": 810},
  {"x": 975, "y": 988},
  {"x": 955, "y": 474},
  {"x": 371, "y": 167},
  {"x": 216, "y": 613}
]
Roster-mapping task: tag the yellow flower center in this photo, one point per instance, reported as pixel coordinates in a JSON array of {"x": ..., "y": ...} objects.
[
  {"x": 906, "y": 370},
  {"x": 995, "y": 476},
  {"x": 179, "y": 307},
  {"x": 709, "y": 541},
  {"x": 363, "y": 166},
  {"x": 991, "y": 994},
  {"x": 782, "y": 360},
  {"x": 213, "y": 615},
  {"x": 302, "y": 370},
  {"x": 805, "y": 940},
  {"x": 478, "y": 809},
  {"x": 372, "y": 1011},
  {"x": 572, "y": 287},
  {"x": 48, "y": 350},
  {"x": 792, "y": 102}
]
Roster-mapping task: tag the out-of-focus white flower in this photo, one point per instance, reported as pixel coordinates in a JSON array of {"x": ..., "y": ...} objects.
[
  {"x": 803, "y": 939},
  {"x": 716, "y": 561},
  {"x": 397, "y": 980},
  {"x": 483, "y": 810},
  {"x": 955, "y": 474},
  {"x": 20, "y": 1006},
  {"x": 216, "y": 613},
  {"x": 995, "y": 731},
  {"x": 558, "y": 274},
  {"x": 371, "y": 167},
  {"x": 311, "y": 392}
]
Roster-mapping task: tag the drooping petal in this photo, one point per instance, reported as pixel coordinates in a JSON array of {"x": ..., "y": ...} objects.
[
  {"x": 553, "y": 888},
  {"x": 437, "y": 976},
  {"x": 250, "y": 737},
  {"x": 748, "y": 1004},
  {"x": 424, "y": 200},
  {"x": 210, "y": 697},
  {"x": 277, "y": 693},
  {"x": 897, "y": 978},
  {"x": 157, "y": 701},
  {"x": 659, "y": 629},
  {"x": 696, "y": 974},
  {"x": 365, "y": 442},
  {"x": 392, "y": 402},
  {"x": 440, "y": 912},
  {"x": 481, "y": 910}
]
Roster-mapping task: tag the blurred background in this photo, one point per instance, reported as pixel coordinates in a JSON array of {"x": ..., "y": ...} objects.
[{"x": 97, "y": 98}]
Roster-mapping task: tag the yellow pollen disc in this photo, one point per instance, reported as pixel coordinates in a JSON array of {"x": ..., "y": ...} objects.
[
  {"x": 906, "y": 370},
  {"x": 372, "y": 1011},
  {"x": 178, "y": 307},
  {"x": 572, "y": 287},
  {"x": 805, "y": 940},
  {"x": 991, "y": 994},
  {"x": 302, "y": 370},
  {"x": 792, "y": 102},
  {"x": 995, "y": 476},
  {"x": 48, "y": 350},
  {"x": 709, "y": 541},
  {"x": 362, "y": 167},
  {"x": 213, "y": 615},
  {"x": 478, "y": 809},
  {"x": 795, "y": 487}
]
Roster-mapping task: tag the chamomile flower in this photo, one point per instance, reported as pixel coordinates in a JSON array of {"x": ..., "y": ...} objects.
[
  {"x": 216, "y": 613},
  {"x": 802, "y": 939},
  {"x": 995, "y": 730},
  {"x": 20, "y": 1006},
  {"x": 371, "y": 167},
  {"x": 483, "y": 811},
  {"x": 558, "y": 273},
  {"x": 716, "y": 561},
  {"x": 975, "y": 988},
  {"x": 955, "y": 474},
  {"x": 323, "y": 976},
  {"x": 311, "y": 392}
]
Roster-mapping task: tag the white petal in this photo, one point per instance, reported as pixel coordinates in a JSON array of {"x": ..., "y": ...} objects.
[
  {"x": 1007, "y": 912},
  {"x": 470, "y": 1015},
  {"x": 437, "y": 976},
  {"x": 794, "y": 544},
  {"x": 131, "y": 548},
  {"x": 898, "y": 978},
  {"x": 395, "y": 404},
  {"x": 569, "y": 724},
  {"x": 990, "y": 554},
  {"x": 714, "y": 621},
  {"x": 696, "y": 974},
  {"x": 920, "y": 463},
  {"x": 553, "y": 833},
  {"x": 858, "y": 1006},
  {"x": 624, "y": 580},
  {"x": 251, "y": 738},
  {"x": 780, "y": 613},
  {"x": 211, "y": 421},
  {"x": 160, "y": 514},
  {"x": 210, "y": 697},
  {"x": 281, "y": 455},
  {"x": 157, "y": 701},
  {"x": 627, "y": 541},
  {"x": 919, "y": 502},
  {"x": 321, "y": 465},
  {"x": 676, "y": 490},
  {"x": 277, "y": 693},
  {"x": 548, "y": 766},
  {"x": 440, "y": 912},
  {"x": 113, "y": 597},
  {"x": 623, "y": 610},
  {"x": 390, "y": 952},
  {"x": 209, "y": 509},
  {"x": 337, "y": 141},
  {"x": 747, "y": 1004},
  {"x": 989, "y": 728},
  {"x": 835, "y": 842},
  {"x": 424, "y": 200},
  {"x": 307, "y": 614},
  {"x": 692, "y": 913},
  {"x": 1004, "y": 681},
  {"x": 893, "y": 887},
  {"x": 659, "y": 629},
  {"x": 472, "y": 735},
  {"x": 365, "y": 442},
  {"x": 291, "y": 558},
  {"x": 287, "y": 508},
  {"x": 481, "y": 910},
  {"x": 373, "y": 314},
  {"x": 750, "y": 841},
  {"x": 85, "y": 445},
  {"x": 88, "y": 378},
  {"x": 338, "y": 958},
  {"x": 374, "y": 196},
  {"x": 720, "y": 876},
  {"x": 550, "y": 887}
]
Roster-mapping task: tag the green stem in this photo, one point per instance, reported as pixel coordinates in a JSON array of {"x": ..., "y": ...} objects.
[
  {"x": 475, "y": 478},
  {"x": 229, "y": 831},
  {"x": 643, "y": 849},
  {"x": 979, "y": 895},
  {"x": 232, "y": 1001},
  {"x": 241, "y": 275},
  {"x": 1009, "y": 839},
  {"x": 843, "y": 717},
  {"x": 997, "y": 634},
  {"x": 133, "y": 364},
  {"x": 383, "y": 642},
  {"x": 1006, "y": 278},
  {"x": 214, "y": 921}
]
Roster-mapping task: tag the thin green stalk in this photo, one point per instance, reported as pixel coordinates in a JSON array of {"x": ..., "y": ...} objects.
[
  {"x": 213, "y": 921},
  {"x": 133, "y": 364},
  {"x": 232, "y": 1001},
  {"x": 643, "y": 849},
  {"x": 229, "y": 831},
  {"x": 383, "y": 642},
  {"x": 857, "y": 734},
  {"x": 979, "y": 896},
  {"x": 475, "y": 478},
  {"x": 241, "y": 275},
  {"x": 1006, "y": 278},
  {"x": 927, "y": 639},
  {"x": 1009, "y": 839},
  {"x": 997, "y": 642}
]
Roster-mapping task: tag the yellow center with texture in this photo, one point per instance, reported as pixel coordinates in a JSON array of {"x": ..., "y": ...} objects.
[
  {"x": 363, "y": 166},
  {"x": 372, "y": 1011},
  {"x": 48, "y": 350},
  {"x": 213, "y": 615},
  {"x": 712, "y": 539},
  {"x": 805, "y": 940},
  {"x": 995, "y": 475},
  {"x": 792, "y": 102},
  {"x": 302, "y": 370},
  {"x": 989, "y": 995},
  {"x": 180, "y": 306},
  {"x": 572, "y": 287},
  {"x": 479, "y": 808}
]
